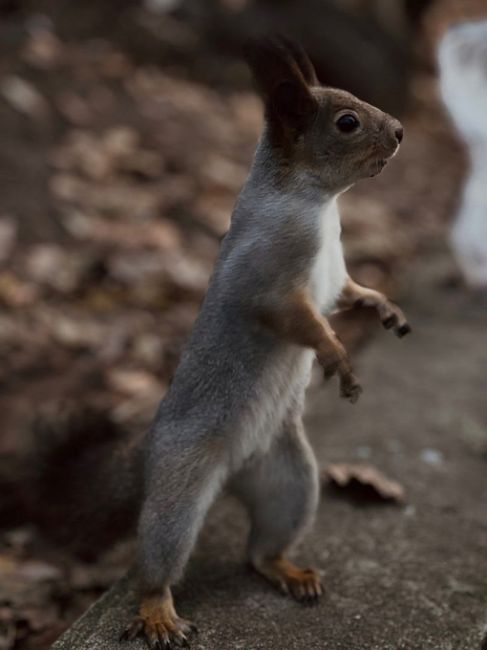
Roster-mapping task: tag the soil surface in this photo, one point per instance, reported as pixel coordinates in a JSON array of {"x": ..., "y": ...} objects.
[{"x": 398, "y": 577}]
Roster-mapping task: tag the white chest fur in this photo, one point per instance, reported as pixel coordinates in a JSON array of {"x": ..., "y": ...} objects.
[
  {"x": 328, "y": 273},
  {"x": 286, "y": 378}
]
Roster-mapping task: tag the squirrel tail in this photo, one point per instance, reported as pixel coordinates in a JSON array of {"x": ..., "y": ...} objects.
[{"x": 85, "y": 480}]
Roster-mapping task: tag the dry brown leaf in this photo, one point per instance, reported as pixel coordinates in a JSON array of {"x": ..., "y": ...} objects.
[
  {"x": 27, "y": 593},
  {"x": 43, "y": 49},
  {"x": 74, "y": 331},
  {"x": 59, "y": 269},
  {"x": 8, "y": 235},
  {"x": 14, "y": 292},
  {"x": 24, "y": 97},
  {"x": 74, "y": 108},
  {"x": 125, "y": 234},
  {"x": 85, "y": 576},
  {"x": 120, "y": 141},
  {"x": 363, "y": 481},
  {"x": 134, "y": 382}
]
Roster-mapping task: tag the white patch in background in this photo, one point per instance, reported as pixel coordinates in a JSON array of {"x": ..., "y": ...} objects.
[{"x": 462, "y": 57}]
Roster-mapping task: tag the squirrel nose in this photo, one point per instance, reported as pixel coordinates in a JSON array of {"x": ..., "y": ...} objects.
[{"x": 399, "y": 132}]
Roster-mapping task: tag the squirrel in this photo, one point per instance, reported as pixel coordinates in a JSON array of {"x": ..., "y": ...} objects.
[{"x": 232, "y": 415}]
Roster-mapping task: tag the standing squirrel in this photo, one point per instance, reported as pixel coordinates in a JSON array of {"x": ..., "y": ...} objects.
[{"x": 233, "y": 413}]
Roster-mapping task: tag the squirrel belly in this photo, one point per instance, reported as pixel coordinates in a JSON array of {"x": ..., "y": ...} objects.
[{"x": 236, "y": 380}]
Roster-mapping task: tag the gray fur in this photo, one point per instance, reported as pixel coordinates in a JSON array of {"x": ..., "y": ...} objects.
[
  {"x": 233, "y": 411},
  {"x": 280, "y": 491},
  {"x": 237, "y": 387}
]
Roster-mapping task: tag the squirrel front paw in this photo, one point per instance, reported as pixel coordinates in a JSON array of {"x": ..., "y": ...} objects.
[
  {"x": 392, "y": 317},
  {"x": 336, "y": 361},
  {"x": 350, "y": 388}
]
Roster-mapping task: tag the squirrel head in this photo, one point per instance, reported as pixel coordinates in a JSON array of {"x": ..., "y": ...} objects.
[{"x": 330, "y": 134}]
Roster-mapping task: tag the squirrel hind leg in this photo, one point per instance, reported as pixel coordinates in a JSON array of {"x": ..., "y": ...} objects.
[
  {"x": 178, "y": 495},
  {"x": 280, "y": 492},
  {"x": 303, "y": 584},
  {"x": 159, "y": 624}
]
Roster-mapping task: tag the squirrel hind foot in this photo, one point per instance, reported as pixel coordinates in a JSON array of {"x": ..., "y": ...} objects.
[
  {"x": 159, "y": 625},
  {"x": 302, "y": 584}
]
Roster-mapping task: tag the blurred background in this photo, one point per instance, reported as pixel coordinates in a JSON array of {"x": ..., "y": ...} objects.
[{"x": 126, "y": 130}]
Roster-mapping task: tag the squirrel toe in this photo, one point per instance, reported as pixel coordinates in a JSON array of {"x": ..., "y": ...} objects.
[{"x": 403, "y": 330}]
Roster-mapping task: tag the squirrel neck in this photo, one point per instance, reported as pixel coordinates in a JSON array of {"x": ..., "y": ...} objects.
[{"x": 272, "y": 172}]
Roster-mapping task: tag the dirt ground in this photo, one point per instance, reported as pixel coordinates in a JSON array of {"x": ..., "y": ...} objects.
[{"x": 409, "y": 577}]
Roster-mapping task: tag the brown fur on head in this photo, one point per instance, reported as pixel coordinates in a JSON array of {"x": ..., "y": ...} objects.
[{"x": 335, "y": 137}]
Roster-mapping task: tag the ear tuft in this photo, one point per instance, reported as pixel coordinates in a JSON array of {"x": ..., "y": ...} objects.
[
  {"x": 302, "y": 60},
  {"x": 291, "y": 103},
  {"x": 283, "y": 74}
]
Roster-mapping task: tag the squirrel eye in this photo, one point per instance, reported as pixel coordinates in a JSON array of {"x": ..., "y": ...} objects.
[{"x": 347, "y": 123}]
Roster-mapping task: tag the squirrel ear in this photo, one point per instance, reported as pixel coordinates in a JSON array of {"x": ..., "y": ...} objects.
[
  {"x": 302, "y": 60},
  {"x": 282, "y": 77},
  {"x": 290, "y": 103}
]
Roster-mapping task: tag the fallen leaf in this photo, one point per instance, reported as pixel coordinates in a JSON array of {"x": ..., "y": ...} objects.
[
  {"x": 62, "y": 270},
  {"x": 85, "y": 576},
  {"x": 74, "y": 108},
  {"x": 74, "y": 330},
  {"x": 43, "y": 49},
  {"x": 24, "y": 97},
  {"x": 159, "y": 233},
  {"x": 28, "y": 595},
  {"x": 14, "y": 292},
  {"x": 8, "y": 235},
  {"x": 120, "y": 141},
  {"x": 134, "y": 382},
  {"x": 136, "y": 412},
  {"x": 364, "y": 482}
]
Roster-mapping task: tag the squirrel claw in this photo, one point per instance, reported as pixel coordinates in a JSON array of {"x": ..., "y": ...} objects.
[
  {"x": 158, "y": 635},
  {"x": 390, "y": 321},
  {"x": 397, "y": 322},
  {"x": 330, "y": 370},
  {"x": 132, "y": 631},
  {"x": 403, "y": 330},
  {"x": 182, "y": 640},
  {"x": 351, "y": 392}
]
